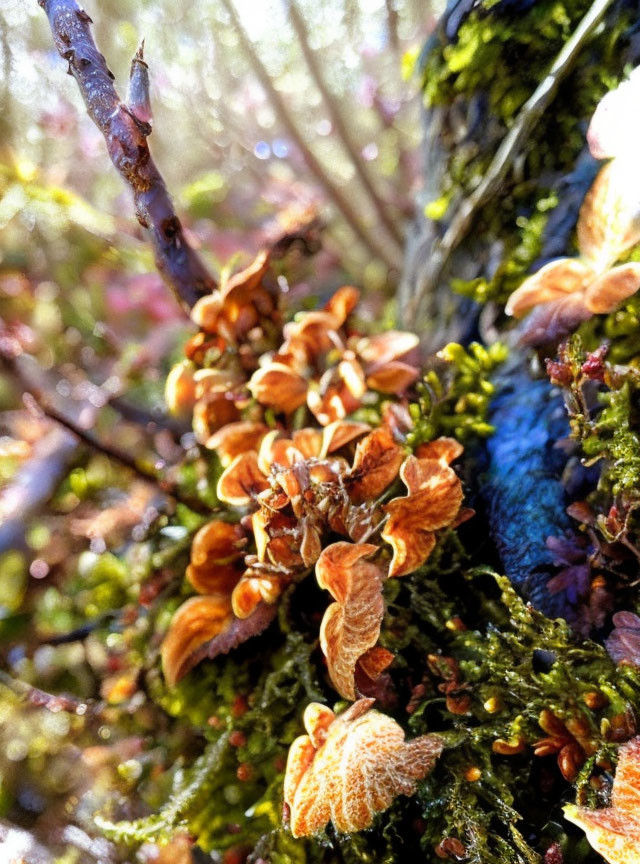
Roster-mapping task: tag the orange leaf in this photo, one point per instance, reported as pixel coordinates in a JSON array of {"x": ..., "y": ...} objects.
[
  {"x": 212, "y": 412},
  {"x": 342, "y": 303},
  {"x": 278, "y": 387},
  {"x": 206, "y": 312},
  {"x": 614, "y": 832},
  {"x": 433, "y": 502},
  {"x": 445, "y": 450},
  {"x": 340, "y": 433},
  {"x": 198, "y": 620},
  {"x": 375, "y": 466},
  {"x": 606, "y": 292},
  {"x": 236, "y": 438},
  {"x": 242, "y": 481},
  {"x": 608, "y": 224},
  {"x": 552, "y": 282},
  {"x": 308, "y": 442},
  {"x": 392, "y": 377},
  {"x": 215, "y": 551},
  {"x": 277, "y": 452},
  {"x": 180, "y": 389},
  {"x": 350, "y": 767},
  {"x": 385, "y": 347},
  {"x": 351, "y": 626}
]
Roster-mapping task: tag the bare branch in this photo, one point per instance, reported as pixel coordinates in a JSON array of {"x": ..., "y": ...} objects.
[
  {"x": 342, "y": 127},
  {"x": 511, "y": 144},
  {"x": 143, "y": 469},
  {"x": 33, "y": 484},
  {"x": 125, "y": 129},
  {"x": 341, "y": 201}
]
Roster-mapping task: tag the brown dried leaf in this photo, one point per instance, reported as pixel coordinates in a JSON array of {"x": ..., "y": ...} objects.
[
  {"x": 236, "y": 438},
  {"x": 242, "y": 481},
  {"x": 605, "y": 293},
  {"x": 375, "y": 466},
  {"x": 392, "y": 377},
  {"x": 198, "y": 620},
  {"x": 215, "y": 552},
  {"x": 339, "y": 434},
  {"x": 180, "y": 389},
  {"x": 350, "y": 767},
  {"x": 342, "y": 303},
  {"x": 351, "y": 626},
  {"x": 552, "y": 282},
  {"x": 614, "y": 832},
  {"x": 433, "y": 502},
  {"x": 278, "y": 387},
  {"x": 445, "y": 450},
  {"x": 385, "y": 347}
]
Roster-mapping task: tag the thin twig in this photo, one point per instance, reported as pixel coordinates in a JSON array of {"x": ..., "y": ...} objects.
[
  {"x": 511, "y": 144},
  {"x": 279, "y": 105},
  {"x": 142, "y": 469},
  {"x": 125, "y": 129},
  {"x": 341, "y": 126}
]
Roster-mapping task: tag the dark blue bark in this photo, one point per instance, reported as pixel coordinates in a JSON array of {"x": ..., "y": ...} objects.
[{"x": 522, "y": 489}]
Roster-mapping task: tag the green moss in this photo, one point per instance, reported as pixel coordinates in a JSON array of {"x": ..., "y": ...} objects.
[
  {"x": 504, "y": 58},
  {"x": 454, "y": 398}
]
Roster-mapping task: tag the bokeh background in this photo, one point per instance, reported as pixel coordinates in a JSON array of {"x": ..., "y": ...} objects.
[{"x": 265, "y": 114}]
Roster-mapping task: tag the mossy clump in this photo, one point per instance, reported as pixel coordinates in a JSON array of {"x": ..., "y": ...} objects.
[
  {"x": 494, "y": 65},
  {"x": 454, "y": 397}
]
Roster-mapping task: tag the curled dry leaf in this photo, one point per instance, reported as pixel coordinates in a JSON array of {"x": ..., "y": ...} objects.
[
  {"x": 198, "y": 620},
  {"x": 552, "y": 282},
  {"x": 349, "y": 767},
  {"x": 351, "y": 625},
  {"x": 614, "y": 832},
  {"x": 434, "y": 500},
  {"x": 236, "y": 438},
  {"x": 216, "y": 550},
  {"x": 605, "y": 293},
  {"x": 206, "y": 627},
  {"x": 608, "y": 225},
  {"x": 180, "y": 389},
  {"x": 375, "y": 466},
  {"x": 279, "y": 387},
  {"x": 242, "y": 481}
]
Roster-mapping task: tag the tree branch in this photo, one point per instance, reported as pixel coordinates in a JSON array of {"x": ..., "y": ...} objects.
[
  {"x": 341, "y": 126},
  {"x": 340, "y": 200},
  {"x": 141, "y": 468},
  {"x": 125, "y": 129},
  {"x": 512, "y": 143}
]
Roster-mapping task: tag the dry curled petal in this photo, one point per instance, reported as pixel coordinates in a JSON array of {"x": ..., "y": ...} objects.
[
  {"x": 385, "y": 347},
  {"x": 552, "y": 282},
  {"x": 278, "y": 387},
  {"x": 614, "y": 832},
  {"x": 445, "y": 450},
  {"x": 605, "y": 293},
  {"x": 215, "y": 552},
  {"x": 350, "y": 767},
  {"x": 433, "y": 502},
  {"x": 198, "y": 620},
  {"x": 351, "y": 625},
  {"x": 342, "y": 303},
  {"x": 180, "y": 389},
  {"x": 392, "y": 377},
  {"x": 242, "y": 481},
  {"x": 339, "y": 434},
  {"x": 375, "y": 466},
  {"x": 236, "y": 438}
]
